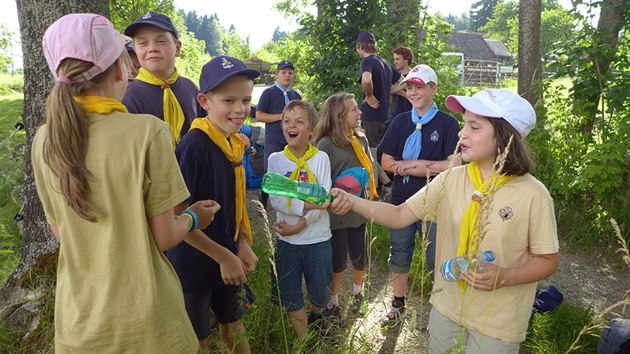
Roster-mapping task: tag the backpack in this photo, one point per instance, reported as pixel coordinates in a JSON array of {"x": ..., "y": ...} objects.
[{"x": 615, "y": 339}]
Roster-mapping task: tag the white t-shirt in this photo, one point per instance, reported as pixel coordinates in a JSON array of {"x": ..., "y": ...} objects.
[{"x": 318, "y": 229}]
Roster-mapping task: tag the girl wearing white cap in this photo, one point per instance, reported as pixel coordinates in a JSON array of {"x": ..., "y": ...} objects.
[
  {"x": 489, "y": 311},
  {"x": 108, "y": 182}
]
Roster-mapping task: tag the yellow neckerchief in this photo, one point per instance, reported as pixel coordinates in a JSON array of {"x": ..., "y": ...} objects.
[
  {"x": 300, "y": 163},
  {"x": 365, "y": 163},
  {"x": 233, "y": 151},
  {"x": 469, "y": 229},
  {"x": 173, "y": 114},
  {"x": 99, "y": 104}
]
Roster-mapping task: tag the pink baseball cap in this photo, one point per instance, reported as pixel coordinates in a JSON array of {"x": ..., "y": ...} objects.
[
  {"x": 421, "y": 74},
  {"x": 88, "y": 37},
  {"x": 497, "y": 103}
]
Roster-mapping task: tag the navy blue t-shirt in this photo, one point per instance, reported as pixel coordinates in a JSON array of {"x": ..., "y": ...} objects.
[
  {"x": 272, "y": 101},
  {"x": 383, "y": 77},
  {"x": 439, "y": 138},
  {"x": 142, "y": 97},
  {"x": 400, "y": 104},
  {"x": 208, "y": 175}
]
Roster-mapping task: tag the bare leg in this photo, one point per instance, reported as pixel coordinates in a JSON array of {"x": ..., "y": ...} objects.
[
  {"x": 233, "y": 335},
  {"x": 299, "y": 322},
  {"x": 399, "y": 283}
]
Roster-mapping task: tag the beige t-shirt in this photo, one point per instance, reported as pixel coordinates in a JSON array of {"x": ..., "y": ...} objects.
[
  {"x": 522, "y": 222},
  {"x": 116, "y": 292}
]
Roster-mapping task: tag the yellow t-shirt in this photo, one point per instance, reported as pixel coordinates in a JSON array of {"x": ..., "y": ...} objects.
[
  {"x": 116, "y": 292},
  {"x": 521, "y": 222}
]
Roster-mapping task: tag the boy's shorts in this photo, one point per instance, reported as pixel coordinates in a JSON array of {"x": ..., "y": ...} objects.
[
  {"x": 314, "y": 262},
  {"x": 228, "y": 303}
]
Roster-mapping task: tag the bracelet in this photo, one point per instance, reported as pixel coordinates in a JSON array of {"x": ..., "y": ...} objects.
[
  {"x": 190, "y": 220},
  {"x": 195, "y": 221}
]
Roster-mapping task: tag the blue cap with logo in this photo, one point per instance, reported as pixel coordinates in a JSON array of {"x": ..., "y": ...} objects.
[
  {"x": 221, "y": 68},
  {"x": 285, "y": 64},
  {"x": 151, "y": 19}
]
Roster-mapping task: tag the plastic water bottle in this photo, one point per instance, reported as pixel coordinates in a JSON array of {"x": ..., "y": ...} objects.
[
  {"x": 276, "y": 184},
  {"x": 453, "y": 268}
]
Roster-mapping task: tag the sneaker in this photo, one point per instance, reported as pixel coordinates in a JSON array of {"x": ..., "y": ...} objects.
[
  {"x": 320, "y": 326},
  {"x": 357, "y": 304},
  {"x": 333, "y": 316},
  {"x": 395, "y": 315}
]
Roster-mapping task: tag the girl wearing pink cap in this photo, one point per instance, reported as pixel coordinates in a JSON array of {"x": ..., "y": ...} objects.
[
  {"x": 108, "y": 182},
  {"x": 486, "y": 312}
]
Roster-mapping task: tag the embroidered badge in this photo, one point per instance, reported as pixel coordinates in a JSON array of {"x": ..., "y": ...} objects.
[
  {"x": 435, "y": 136},
  {"x": 506, "y": 213},
  {"x": 147, "y": 15},
  {"x": 226, "y": 63}
]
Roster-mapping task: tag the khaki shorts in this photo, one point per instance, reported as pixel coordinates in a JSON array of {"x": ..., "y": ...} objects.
[{"x": 443, "y": 333}]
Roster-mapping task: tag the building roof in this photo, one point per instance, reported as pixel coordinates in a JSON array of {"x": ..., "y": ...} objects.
[
  {"x": 498, "y": 48},
  {"x": 472, "y": 45}
]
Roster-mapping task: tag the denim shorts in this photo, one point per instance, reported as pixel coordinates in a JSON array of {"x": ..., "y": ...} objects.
[
  {"x": 403, "y": 243},
  {"x": 313, "y": 262}
]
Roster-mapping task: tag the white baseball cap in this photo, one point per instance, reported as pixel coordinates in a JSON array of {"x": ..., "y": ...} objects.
[
  {"x": 421, "y": 74},
  {"x": 497, "y": 103}
]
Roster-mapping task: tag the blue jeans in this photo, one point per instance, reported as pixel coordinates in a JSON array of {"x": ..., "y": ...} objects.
[
  {"x": 403, "y": 243},
  {"x": 314, "y": 262}
]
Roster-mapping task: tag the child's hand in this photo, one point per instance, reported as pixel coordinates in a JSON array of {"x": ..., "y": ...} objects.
[
  {"x": 232, "y": 269},
  {"x": 342, "y": 202},
  {"x": 205, "y": 210},
  {"x": 311, "y": 206},
  {"x": 487, "y": 281},
  {"x": 372, "y": 101},
  {"x": 245, "y": 139},
  {"x": 285, "y": 229},
  {"x": 247, "y": 255}
]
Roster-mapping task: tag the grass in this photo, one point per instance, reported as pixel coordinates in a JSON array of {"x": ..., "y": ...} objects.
[
  {"x": 11, "y": 177},
  {"x": 11, "y": 83}
]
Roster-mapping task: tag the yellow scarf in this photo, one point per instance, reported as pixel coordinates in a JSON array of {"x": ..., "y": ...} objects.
[
  {"x": 469, "y": 229},
  {"x": 301, "y": 165},
  {"x": 173, "y": 114},
  {"x": 365, "y": 163},
  {"x": 233, "y": 151},
  {"x": 99, "y": 104}
]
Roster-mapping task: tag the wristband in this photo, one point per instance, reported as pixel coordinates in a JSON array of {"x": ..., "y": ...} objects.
[
  {"x": 193, "y": 216},
  {"x": 190, "y": 220}
]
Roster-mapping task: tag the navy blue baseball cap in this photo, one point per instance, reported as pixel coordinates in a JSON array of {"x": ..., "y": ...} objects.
[
  {"x": 364, "y": 37},
  {"x": 129, "y": 46},
  {"x": 151, "y": 19},
  {"x": 221, "y": 68},
  {"x": 285, "y": 64}
]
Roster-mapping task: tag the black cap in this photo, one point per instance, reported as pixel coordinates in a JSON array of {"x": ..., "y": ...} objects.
[
  {"x": 364, "y": 37},
  {"x": 129, "y": 46},
  {"x": 221, "y": 68},
  {"x": 285, "y": 64},
  {"x": 151, "y": 19}
]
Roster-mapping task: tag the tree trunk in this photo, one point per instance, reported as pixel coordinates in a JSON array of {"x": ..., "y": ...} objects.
[
  {"x": 588, "y": 89},
  {"x": 529, "y": 64},
  {"x": 39, "y": 252}
]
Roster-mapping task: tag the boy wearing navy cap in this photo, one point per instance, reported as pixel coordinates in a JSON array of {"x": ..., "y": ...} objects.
[
  {"x": 210, "y": 158},
  {"x": 269, "y": 111},
  {"x": 158, "y": 89}
]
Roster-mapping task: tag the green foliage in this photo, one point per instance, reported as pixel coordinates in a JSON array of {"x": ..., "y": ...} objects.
[
  {"x": 5, "y": 44},
  {"x": 557, "y": 26},
  {"x": 480, "y": 12},
  {"x": 124, "y": 12},
  {"x": 555, "y": 331},
  {"x": 11, "y": 83},
  {"x": 207, "y": 29},
  {"x": 236, "y": 47},
  {"x": 11, "y": 177}
]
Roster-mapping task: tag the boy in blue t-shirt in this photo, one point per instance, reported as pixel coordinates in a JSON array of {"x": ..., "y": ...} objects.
[
  {"x": 210, "y": 158},
  {"x": 158, "y": 88},
  {"x": 417, "y": 143},
  {"x": 269, "y": 111}
]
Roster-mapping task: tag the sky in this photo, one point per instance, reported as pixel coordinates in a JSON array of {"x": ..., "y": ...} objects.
[{"x": 257, "y": 19}]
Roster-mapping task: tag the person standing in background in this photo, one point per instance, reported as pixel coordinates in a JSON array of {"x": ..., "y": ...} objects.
[{"x": 269, "y": 111}]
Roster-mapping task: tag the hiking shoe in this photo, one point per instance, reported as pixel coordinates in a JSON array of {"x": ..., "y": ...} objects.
[
  {"x": 333, "y": 316},
  {"x": 395, "y": 315},
  {"x": 357, "y": 304},
  {"x": 320, "y": 326}
]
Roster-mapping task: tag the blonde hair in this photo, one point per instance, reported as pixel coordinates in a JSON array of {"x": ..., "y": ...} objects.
[
  {"x": 333, "y": 124},
  {"x": 66, "y": 144}
]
